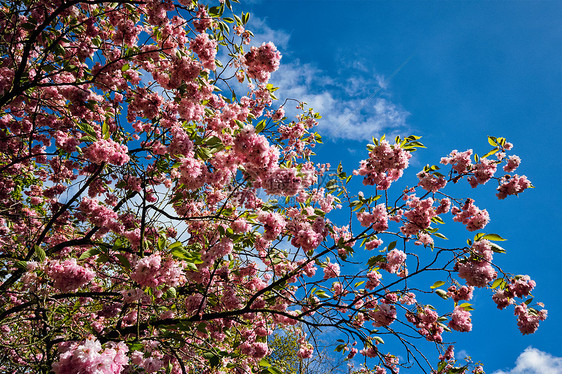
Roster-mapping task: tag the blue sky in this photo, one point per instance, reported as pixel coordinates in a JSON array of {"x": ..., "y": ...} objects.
[{"x": 452, "y": 72}]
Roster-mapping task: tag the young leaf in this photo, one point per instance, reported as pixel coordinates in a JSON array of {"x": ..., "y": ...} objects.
[{"x": 437, "y": 284}]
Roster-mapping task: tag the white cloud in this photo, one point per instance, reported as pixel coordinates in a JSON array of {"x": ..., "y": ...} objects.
[
  {"x": 265, "y": 34},
  {"x": 357, "y": 106},
  {"x": 534, "y": 361}
]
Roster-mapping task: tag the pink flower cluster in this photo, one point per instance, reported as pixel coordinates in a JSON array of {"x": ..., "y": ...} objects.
[
  {"x": 206, "y": 50},
  {"x": 519, "y": 286},
  {"x": 284, "y": 182},
  {"x": 476, "y": 273},
  {"x": 471, "y": 216},
  {"x": 460, "y": 161},
  {"x": 513, "y": 185},
  {"x": 426, "y": 320},
  {"x": 528, "y": 319},
  {"x": 203, "y": 20},
  {"x": 460, "y": 320},
  {"x": 255, "y": 349},
  {"x": 331, "y": 270},
  {"x": 513, "y": 163},
  {"x": 88, "y": 358},
  {"x": 384, "y": 314},
  {"x": 386, "y": 163},
  {"x": 99, "y": 215},
  {"x": 68, "y": 275},
  {"x": 262, "y": 61},
  {"x": 305, "y": 350},
  {"x": 394, "y": 260},
  {"x": 378, "y": 219},
  {"x": 458, "y": 294},
  {"x": 419, "y": 215},
  {"x": 254, "y": 150},
  {"x": 374, "y": 280},
  {"x": 106, "y": 150},
  {"x": 430, "y": 182},
  {"x": 151, "y": 271},
  {"x": 273, "y": 224},
  {"x": 483, "y": 171}
]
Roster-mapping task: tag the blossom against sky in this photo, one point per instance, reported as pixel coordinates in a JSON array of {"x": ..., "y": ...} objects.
[{"x": 454, "y": 73}]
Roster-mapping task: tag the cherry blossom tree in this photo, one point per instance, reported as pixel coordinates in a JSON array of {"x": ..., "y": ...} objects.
[{"x": 160, "y": 213}]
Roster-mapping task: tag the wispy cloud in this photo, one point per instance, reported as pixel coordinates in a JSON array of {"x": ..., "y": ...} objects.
[
  {"x": 534, "y": 361},
  {"x": 354, "y": 105}
]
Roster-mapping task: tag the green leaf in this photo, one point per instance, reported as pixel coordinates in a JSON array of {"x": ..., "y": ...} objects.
[
  {"x": 21, "y": 265},
  {"x": 125, "y": 67},
  {"x": 478, "y": 236},
  {"x": 321, "y": 294},
  {"x": 124, "y": 261},
  {"x": 442, "y": 294},
  {"x": 466, "y": 306},
  {"x": 437, "y": 284},
  {"x": 492, "y": 141},
  {"x": 494, "y": 237},
  {"x": 40, "y": 253},
  {"x": 493, "y": 151},
  {"x": 392, "y": 245},
  {"x": 379, "y": 339},
  {"x": 496, "y": 248},
  {"x": 136, "y": 346},
  {"x": 437, "y": 219},
  {"x": 105, "y": 130},
  {"x": 171, "y": 293},
  {"x": 439, "y": 235},
  {"x": 274, "y": 370},
  {"x": 264, "y": 363},
  {"x": 373, "y": 260},
  {"x": 175, "y": 245},
  {"x": 89, "y": 253},
  {"x": 214, "y": 141},
  {"x": 497, "y": 283}
]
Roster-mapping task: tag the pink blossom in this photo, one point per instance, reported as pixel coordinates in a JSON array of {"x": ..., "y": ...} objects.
[
  {"x": 331, "y": 270},
  {"x": 106, "y": 150},
  {"x": 262, "y": 61},
  {"x": 305, "y": 351},
  {"x": 462, "y": 293},
  {"x": 521, "y": 286},
  {"x": 471, "y": 216},
  {"x": 386, "y": 164},
  {"x": 448, "y": 355},
  {"x": 476, "y": 273},
  {"x": 483, "y": 171},
  {"x": 146, "y": 270},
  {"x": 502, "y": 298},
  {"x": 460, "y": 320},
  {"x": 89, "y": 358},
  {"x": 430, "y": 182},
  {"x": 513, "y": 163},
  {"x": 206, "y": 50},
  {"x": 512, "y": 186},
  {"x": 394, "y": 260},
  {"x": 419, "y": 215},
  {"x": 374, "y": 280},
  {"x": 528, "y": 319},
  {"x": 384, "y": 315},
  {"x": 378, "y": 219},
  {"x": 68, "y": 275},
  {"x": 460, "y": 161}
]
